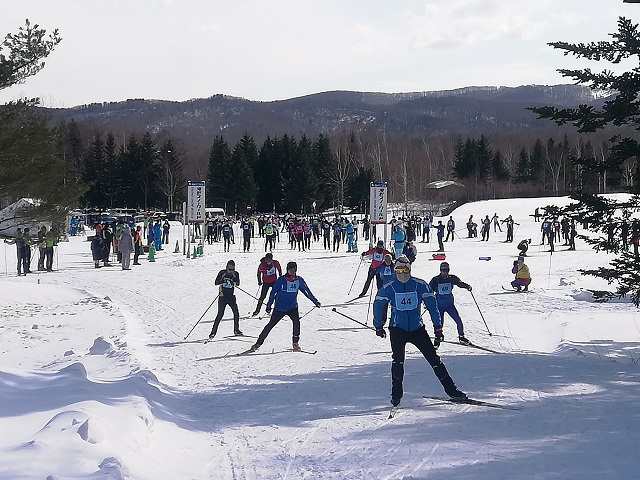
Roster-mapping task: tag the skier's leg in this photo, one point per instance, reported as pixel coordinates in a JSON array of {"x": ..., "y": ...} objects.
[
  {"x": 398, "y": 343},
  {"x": 222, "y": 304},
  {"x": 294, "y": 315},
  {"x": 276, "y": 316},
  {"x": 421, "y": 340}
]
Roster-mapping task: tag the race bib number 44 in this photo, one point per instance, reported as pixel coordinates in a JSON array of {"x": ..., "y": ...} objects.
[{"x": 406, "y": 301}]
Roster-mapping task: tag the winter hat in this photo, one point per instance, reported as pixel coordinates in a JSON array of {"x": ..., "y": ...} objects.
[
  {"x": 403, "y": 261},
  {"x": 444, "y": 266},
  {"x": 387, "y": 257},
  {"x": 231, "y": 263},
  {"x": 269, "y": 256},
  {"x": 380, "y": 243},
  {"x": 291, "y": 265}
]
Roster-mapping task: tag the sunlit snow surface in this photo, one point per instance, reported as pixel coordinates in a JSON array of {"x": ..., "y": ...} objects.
[{"x": 97, "y": 381}]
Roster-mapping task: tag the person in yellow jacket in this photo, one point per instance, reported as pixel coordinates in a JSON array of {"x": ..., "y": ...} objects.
[{"x": 523, "y": 276}]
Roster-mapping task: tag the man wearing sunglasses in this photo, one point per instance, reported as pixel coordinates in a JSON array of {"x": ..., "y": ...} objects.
[
  {"x": 227, "y": 279},
  {"x": 405, "y": 294},
  {"x": 443, "y": 285}
]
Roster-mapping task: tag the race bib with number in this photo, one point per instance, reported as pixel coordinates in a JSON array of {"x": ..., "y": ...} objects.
[
  {"x": 444, "y": 289},
  {"x": 293, "y": 286},
  {"x": 406, "y": 301}
]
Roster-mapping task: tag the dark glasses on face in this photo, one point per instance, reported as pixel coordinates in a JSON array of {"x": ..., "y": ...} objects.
[
  {"x": 444, "y": 269},
  {"x": 402, "y": 269}
]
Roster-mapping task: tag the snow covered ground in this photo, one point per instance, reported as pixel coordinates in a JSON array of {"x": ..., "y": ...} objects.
[{"x": 97, "y": 381}]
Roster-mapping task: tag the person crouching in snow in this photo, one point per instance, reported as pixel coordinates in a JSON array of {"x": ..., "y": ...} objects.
[
  {"x": 285, "y": 294},
  {"x": 405, "y": 294},
  {"x": 523, "y": 276}
]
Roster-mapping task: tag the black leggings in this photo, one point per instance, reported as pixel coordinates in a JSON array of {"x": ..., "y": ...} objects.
[
  {"x": 222, "y": 305},
  {"x": 276, "y": 316},
  {"x": 419, "y": 338}
]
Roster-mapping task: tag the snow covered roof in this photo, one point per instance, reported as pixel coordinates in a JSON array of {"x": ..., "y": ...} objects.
[{"x": 443, "y": 183}]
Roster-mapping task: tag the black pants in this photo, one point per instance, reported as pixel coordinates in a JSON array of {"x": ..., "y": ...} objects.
[
  {"x": 270, "y": 242},
  {"x": 49, "y": 258},
  {"x": 370, "y": 274},
  {"x": 222, "y": 305},
  {"x": 263, "y": 295},
  {"x": 419, "y": 338},
  {"x": 276, "y": 316},
  {"x": 246, "y": 246},
  {"x": 440, "y": 245}
]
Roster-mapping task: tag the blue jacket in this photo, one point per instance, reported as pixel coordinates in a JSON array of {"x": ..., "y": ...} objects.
[
  {"x": 405, "y": 299},
  {"x": 385, "y": 273},
  {"x": 285, "y": 293},
  {"x": 398, "y": 236}
]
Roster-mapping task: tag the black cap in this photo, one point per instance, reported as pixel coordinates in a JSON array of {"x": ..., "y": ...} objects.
[
  {"x": 291, "y": 265},
  {"x": 269, "y": 256}
]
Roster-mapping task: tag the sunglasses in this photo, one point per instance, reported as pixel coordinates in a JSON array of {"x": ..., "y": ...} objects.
[
  {"x": 231, "y": 269},
  {"x": 444, "y": 269},
  {"x": 402, "y": 269}
]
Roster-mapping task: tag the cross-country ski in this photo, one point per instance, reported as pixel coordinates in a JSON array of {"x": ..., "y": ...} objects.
[{"x": 471, "y": 401}]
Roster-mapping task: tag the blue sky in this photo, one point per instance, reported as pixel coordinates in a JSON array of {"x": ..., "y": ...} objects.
[{"x": 113, "y": 50}]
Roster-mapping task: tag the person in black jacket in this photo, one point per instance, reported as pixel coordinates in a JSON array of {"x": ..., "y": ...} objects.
[{"x": 227, "y": 279}]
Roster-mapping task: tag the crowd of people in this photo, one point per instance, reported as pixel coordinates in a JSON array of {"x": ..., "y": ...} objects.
[{"x": 44, "y": 242}]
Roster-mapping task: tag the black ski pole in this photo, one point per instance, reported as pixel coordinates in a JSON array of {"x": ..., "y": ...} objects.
[
  {"x": 354, "y": 277},
  {"x": 310, "y": 310},
  {"x": 205, "y": 312},
  {"x": 352, "y": 319},
  {"x": 244, "y": 291},
  {"x": 485, "y": 322}
]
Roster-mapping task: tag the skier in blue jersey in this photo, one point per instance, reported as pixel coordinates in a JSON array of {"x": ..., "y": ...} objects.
[
  {"x": 405, "y": 294},
  {"x": 443, "y": 285},
  {"x": 285, "y": 294}
]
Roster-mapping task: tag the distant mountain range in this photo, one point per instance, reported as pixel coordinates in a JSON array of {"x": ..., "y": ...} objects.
[{"x": 466, "y": 110}]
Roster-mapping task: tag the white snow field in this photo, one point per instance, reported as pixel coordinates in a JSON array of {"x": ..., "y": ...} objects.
[{"x": 97, "y": 381}]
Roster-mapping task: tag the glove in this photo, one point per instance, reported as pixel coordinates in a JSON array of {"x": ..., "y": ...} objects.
[
  {"x": 259, "y": 282},
  {"x": 439, "y": 337},
  {"x": 268, "y": 310},
  {"x": 363, "y": 254},
  {"x": 381, "y": 333},
  {"x": 469, "y": 288},
  {"x": 318, "y": 304}
]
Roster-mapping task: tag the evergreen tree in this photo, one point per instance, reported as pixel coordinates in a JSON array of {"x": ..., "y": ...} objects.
[
  {"x": 499, "y": 171},
  {"x": 128, "y": 160},
  {"x": 322, "y": 157},
  {"x": 244, "y": 186},
  {"x": 300, "y": 192},
  {"x": 30, "y": 160},
  {"x": 268, "y": 177},
  {"x": 219, "y": 180},
  {"x": 522, "y": 166},
  {"x": 111, "y": 181},
  {"x": 92, "y": 172},
  {"x": 537, "y": 164},
  {"x": 623, "y": 109}
]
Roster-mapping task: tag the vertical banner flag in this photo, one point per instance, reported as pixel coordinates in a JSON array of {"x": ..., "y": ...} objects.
[
  {"x": 378, "y": 203},
  {"x": 195, "y": 202}
]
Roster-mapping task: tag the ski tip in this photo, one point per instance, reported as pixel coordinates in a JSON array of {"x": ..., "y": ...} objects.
[{"x": 333, "y": 309}]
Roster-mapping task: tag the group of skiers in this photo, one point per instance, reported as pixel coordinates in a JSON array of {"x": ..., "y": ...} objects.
[
  {"x": 45, "y": 241},
  {"x": 283, "y": 297}
]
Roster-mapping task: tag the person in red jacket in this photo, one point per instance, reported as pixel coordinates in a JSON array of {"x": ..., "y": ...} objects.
[
  {"x": 377, "y": 253},
  {"x": 268, "y": 272}
]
